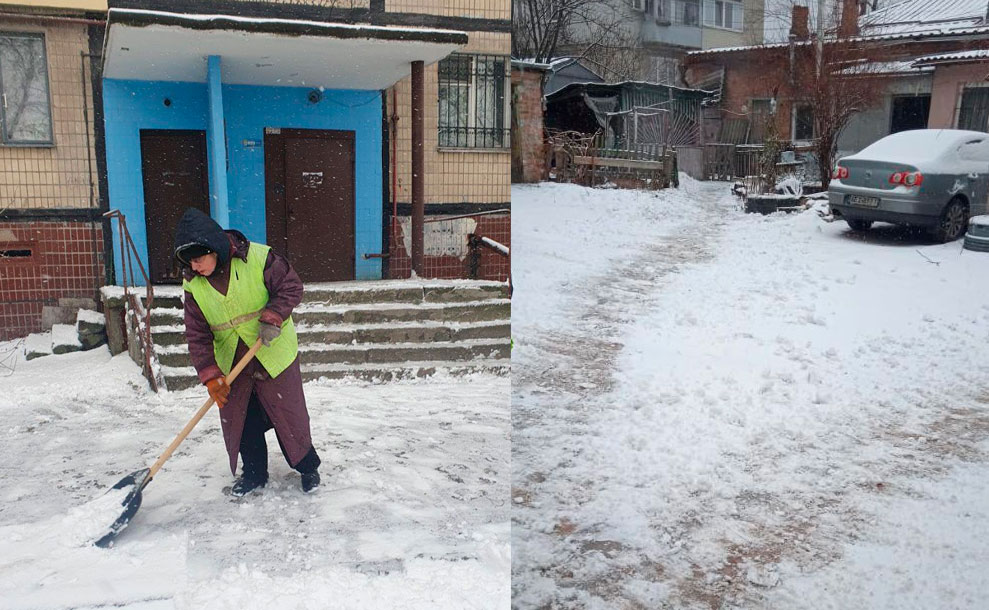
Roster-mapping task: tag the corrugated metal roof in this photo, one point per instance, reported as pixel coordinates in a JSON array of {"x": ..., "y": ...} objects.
[
  {"x": 901, "y": 19},
  {"x": 905, "y": 14},
  {"x": 959, "y": 57},
  {"x": 918, "y": 35}
]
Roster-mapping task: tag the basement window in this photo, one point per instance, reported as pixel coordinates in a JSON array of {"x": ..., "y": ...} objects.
[{"x": 15, "y": 253}]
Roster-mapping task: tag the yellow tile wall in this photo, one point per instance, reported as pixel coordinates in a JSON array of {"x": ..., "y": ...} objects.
[
  {"x": 475, "y": 9},
  {"x": 319, "y": 3},
  {"x": 57, "y": 176},
  {"x": 451, "y": 177}
]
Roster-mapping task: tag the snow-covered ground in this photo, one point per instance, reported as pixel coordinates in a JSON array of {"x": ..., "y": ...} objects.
[
  {"x": 720, "y": 410},
  {"x": 413, "y": 511}
]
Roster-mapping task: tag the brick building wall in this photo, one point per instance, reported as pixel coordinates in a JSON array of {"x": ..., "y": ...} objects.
[
  {"x": 528, "y": 143},
  {"x": 759, "y": 72},
  {"x": 51, "y": 245},
  {"x": 45, "y": 264}
]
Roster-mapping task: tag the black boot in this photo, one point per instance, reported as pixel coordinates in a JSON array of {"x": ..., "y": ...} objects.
[
  {"x": 310, "y": 481},
  {"x": 246, "y": 484}
]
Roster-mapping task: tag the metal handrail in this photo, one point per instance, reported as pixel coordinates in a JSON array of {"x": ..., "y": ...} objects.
[
  {"x": 475, "y": 241},
  {"x": 125, "y": 252}
]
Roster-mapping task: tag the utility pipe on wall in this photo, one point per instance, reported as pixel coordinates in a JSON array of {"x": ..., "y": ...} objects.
[{"x": 418, "y": 167}]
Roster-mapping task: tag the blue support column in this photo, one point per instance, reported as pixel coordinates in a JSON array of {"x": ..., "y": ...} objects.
[{"x": 216, "y": 145}]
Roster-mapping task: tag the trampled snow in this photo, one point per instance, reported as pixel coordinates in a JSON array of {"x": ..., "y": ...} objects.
[
  {"x": 412, "y": 511},
  {"x": 720, "y": 410}
]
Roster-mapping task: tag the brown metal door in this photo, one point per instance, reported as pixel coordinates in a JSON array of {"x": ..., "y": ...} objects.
[
  {"x": 175, "y": 178},
  {"x": 310, "y": 193}
]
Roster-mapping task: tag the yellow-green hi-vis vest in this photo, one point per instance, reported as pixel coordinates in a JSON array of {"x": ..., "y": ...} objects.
[{"x": 236, "y": 315}]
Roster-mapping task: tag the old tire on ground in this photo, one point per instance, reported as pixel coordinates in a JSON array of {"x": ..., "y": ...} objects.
[
  {"x": 953, "y": 221},
  {"x": 859, "y": 225}
]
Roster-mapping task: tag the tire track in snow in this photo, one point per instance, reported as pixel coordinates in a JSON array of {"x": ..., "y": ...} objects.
[{"x": 571, "y": 375}]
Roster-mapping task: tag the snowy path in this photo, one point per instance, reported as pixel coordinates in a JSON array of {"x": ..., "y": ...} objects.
[
  {"x": 413, "y": 511},
  {"x": 714, "y": 410}
]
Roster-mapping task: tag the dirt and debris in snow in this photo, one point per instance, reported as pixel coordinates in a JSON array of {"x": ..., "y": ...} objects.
[{"x": 719, "y": 410}]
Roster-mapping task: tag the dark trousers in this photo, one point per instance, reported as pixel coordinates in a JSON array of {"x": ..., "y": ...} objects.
[{"x": 254, "y": 449}]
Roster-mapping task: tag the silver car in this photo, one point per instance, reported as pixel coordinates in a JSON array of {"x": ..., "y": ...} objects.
[{"x": 932, "y": 178}]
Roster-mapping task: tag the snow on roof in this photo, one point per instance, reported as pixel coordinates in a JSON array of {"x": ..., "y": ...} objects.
[
  {"x": 903, "y": 19},
  {"x": 206, "y": 18},
  {"x": 527, "y": 64},
  {"x": 886, "y": 67},
  {"x": 922, "y": 15},
  {"x": 940, "y": 31},
  {"x": 958, "y": 57}
]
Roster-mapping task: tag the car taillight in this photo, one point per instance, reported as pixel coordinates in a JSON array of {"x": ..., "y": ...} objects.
[
  {"x": 839, "y": 173},
  {"x": 907, "y": 178}
]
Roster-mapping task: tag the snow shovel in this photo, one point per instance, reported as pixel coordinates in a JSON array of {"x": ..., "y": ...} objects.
[{"x": 139, "y": 479}]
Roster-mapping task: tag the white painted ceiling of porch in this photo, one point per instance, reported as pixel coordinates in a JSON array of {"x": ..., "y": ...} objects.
[{"x": 173, "y": 53}]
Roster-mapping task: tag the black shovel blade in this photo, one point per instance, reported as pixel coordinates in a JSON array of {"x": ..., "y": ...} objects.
[{"x": 136, "y": 480}]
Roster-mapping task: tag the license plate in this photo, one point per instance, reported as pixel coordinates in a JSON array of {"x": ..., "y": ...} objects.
[{"x": 866, "y": 202}]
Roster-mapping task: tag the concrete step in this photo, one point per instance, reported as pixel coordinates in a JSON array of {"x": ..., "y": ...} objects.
[
  {"x": 383, "y": 291},
  {"x": 182, "y": 378},
  {"x": 324, "y": 353},
  {"x": 377, "y": 313},
  {"x": 399, "y": 332}
]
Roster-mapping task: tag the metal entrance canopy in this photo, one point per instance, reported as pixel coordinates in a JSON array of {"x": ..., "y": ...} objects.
[{"x": 162, "y": 46}]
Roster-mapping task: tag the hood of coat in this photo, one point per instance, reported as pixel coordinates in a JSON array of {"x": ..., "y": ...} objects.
[{"x": 197, "y": 234}]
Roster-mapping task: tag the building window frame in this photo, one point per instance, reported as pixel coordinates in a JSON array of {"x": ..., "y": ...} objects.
[
  {"x": 959, "y": 99},
  {"x": 687, "y": 13},
  {"x": 797, "y": 107},
  {"x": 474, "y": 102},
  {"x": 5, "y": 95},
  {"x": 716, "y": 15}
]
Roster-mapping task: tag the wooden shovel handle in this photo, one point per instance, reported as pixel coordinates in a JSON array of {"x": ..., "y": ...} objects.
[{"x": 201, "y": 412}]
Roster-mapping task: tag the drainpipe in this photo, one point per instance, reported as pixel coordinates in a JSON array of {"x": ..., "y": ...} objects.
[{"x": 418, "y": 167}]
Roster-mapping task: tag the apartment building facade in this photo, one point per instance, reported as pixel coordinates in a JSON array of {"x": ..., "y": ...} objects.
[
  {"x": 290, "y": 121},
  {"x": 668, "y": 29}
]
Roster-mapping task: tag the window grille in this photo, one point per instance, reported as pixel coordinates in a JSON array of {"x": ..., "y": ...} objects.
[
  {"x": 473, "y": 105},
  {"x": 25, "y": 108}
]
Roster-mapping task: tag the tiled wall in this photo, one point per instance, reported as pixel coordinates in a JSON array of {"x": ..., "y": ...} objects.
[
  {"x": 455, "y": 261},
  {"x": 66, "y": 261},
  {"x": 476, "y": 9},
  {"x": 451, "y": 176},
  {"x": 58, "y": 176}
]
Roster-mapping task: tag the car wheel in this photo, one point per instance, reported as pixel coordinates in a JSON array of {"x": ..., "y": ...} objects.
[
  {"x": 953, "y": 221},
  {"x": 856, "y": 224}
]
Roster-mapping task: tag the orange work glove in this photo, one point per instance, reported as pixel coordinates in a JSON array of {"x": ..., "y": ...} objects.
[{"x": 218, "y": 390}]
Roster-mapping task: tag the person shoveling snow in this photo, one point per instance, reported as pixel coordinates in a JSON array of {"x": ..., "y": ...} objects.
[{"x": 236, "y": 293}]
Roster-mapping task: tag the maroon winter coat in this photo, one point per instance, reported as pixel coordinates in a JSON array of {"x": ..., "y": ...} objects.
[{"x": 282, "y": 397}]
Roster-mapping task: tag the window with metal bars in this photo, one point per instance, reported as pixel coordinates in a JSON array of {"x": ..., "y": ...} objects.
[{"x": 473, "y": 105}]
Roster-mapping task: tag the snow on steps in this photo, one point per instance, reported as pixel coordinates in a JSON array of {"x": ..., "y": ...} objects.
[{"x": 372, "y": 330}]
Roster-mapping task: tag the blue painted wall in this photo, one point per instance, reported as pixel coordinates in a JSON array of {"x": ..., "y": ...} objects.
[{"x": 134, "y": 105}]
